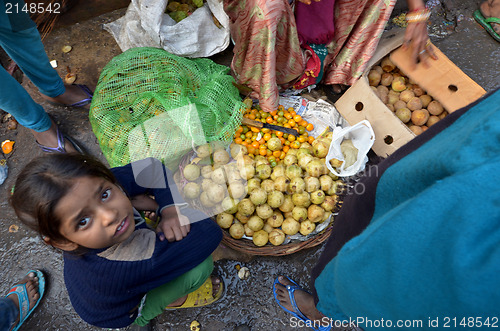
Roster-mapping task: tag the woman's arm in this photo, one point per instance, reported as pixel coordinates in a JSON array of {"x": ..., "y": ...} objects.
[{"x": 416, "y": 35}]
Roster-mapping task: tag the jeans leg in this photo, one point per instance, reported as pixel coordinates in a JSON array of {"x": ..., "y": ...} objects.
[
  {"x": 21, "y": 40},
  {"x": 8, "y": 313},
  {"x": 15, "y": 100}
]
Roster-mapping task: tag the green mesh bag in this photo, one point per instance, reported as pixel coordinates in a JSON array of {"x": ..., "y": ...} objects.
[{"x": 150, "y": 103}]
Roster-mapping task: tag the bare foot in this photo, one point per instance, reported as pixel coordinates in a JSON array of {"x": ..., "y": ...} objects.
[
  {"x": 31, "y": 282},
  {"x": 225, "y": 253},
  {"x": 304, "y": 300},
  {"x": 215, "y": 288},
  {"x": 49, "y": 138},
  {"x": 491, "y": 8},
  {"x": 72, "y": 95},
  {"x": 339, "y": 88}
]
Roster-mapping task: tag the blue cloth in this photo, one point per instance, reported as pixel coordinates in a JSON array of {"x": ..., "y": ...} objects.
[
  {"x": 20, "y": 39},
  {"x": 8, "y": 313},
  {"x": 106, "y": 292},
  {"x": 432, "y": 248}
]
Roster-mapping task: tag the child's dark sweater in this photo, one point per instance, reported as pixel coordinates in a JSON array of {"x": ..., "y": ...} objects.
[{"x": 106, "y": 286}]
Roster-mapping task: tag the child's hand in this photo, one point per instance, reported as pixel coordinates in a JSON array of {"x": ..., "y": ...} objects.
[{"x": 173, "y": 225}]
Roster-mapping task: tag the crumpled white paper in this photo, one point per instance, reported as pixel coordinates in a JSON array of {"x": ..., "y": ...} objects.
[{"x": 146, "y": 24}]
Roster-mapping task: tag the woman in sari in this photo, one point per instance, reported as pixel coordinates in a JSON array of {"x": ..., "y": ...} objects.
[{"x": 279, "y": 45}]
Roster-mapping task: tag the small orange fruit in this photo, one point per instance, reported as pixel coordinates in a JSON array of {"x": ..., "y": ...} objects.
[{"x": 7, "y": 146}]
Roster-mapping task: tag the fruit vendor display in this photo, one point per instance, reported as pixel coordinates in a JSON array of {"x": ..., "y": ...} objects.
[
  {"x": 269, "y": 143},
  {"x": 409, "y": 102},
  {"x": 264, "y": 197}
]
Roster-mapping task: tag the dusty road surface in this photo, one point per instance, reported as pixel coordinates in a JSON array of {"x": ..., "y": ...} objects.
[{"x": 247, "y": 302}]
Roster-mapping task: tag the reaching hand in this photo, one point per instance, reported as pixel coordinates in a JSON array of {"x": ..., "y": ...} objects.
[
  {"x": 173, "y": 225},
  {"x": 417, "y": 37}
]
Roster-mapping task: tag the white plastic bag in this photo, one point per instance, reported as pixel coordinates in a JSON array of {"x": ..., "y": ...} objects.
[
  {"x": 146, "y": 24},
  {"x": 362, "y": 137}
]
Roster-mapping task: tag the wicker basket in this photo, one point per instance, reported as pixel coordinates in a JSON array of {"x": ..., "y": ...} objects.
[{"x": 247, "y": 246}]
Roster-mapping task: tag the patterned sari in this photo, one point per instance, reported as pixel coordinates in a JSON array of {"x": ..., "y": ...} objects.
[{"x": 267, "y": 53}]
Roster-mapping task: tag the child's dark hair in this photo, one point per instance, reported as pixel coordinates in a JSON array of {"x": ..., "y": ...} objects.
[{"x": 44, "y": 181}]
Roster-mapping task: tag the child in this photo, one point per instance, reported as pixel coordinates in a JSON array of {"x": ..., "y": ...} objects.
[{"x": 117, "y": 270}]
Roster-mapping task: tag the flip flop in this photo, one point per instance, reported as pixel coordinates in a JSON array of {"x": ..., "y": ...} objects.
[
  {"x": 203, "y": 292},
  {"x": 80, "y": 103},
  {"x": 486, "y": 23},
  {"x": 297, "y": 313},
  {"x": 22, "y": 295},
  {"x": 60, "y": 144}
]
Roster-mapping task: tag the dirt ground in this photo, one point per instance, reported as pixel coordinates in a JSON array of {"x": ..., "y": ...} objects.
[{"x": 248, "y": 302}]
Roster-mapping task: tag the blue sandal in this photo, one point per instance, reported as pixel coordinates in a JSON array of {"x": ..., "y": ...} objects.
[
  {"x": 22, "y": 295},
  {"x": 297, "y": 313},
  {"x": 60, "y": 144},
  {"x": 81, "y": 103},
  {"x": 85, "y": 101}
]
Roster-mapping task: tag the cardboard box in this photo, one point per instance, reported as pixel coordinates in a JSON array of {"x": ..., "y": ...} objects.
[{"x": 442, "y": 79}]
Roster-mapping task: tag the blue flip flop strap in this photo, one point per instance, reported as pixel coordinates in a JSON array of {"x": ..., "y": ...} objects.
[
  {"x": 22, "y": 296},
  {"x": 291, "y": 290},
  {"x": 60, "y": 144},
  {"x": 291, "y": 293},
  {"x": 85, "y": 101}
]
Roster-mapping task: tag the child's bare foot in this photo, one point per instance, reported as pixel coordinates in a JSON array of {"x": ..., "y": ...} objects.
[
  {"x": 201, "y": 301},
  {"x": 225, "y": 253},
  {"x": 72, "y": 95},
  {"x": 304, "y": 300},
  {"x": 491, "y": 8},
  {"x": 31, "y": 282}
]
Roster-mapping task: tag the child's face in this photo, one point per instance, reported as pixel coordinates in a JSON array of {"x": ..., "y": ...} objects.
[{"x": 95, "y": 214}]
